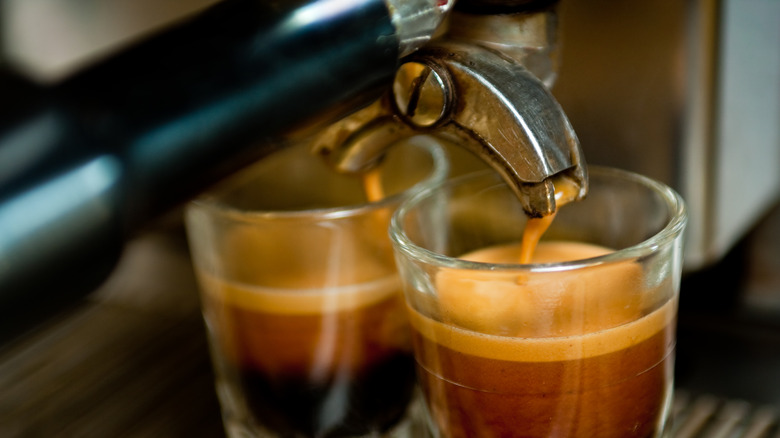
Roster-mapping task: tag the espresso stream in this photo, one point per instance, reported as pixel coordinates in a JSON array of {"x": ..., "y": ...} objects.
[{"x": 566, "y": 191}]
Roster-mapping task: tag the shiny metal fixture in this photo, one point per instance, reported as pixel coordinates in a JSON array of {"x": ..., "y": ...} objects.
[{"x": 478, "y": 97}]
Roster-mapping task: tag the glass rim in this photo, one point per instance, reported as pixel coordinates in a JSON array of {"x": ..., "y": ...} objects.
[
  {"x": 212, "y": 202},
  {"x": 673, "y": 228}
]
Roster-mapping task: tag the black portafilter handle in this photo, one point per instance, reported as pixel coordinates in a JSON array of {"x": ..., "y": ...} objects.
[{"x": 87, "y": 162}]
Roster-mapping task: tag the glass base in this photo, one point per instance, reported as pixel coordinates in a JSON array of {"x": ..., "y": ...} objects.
[{"x": 239, "y": 424}]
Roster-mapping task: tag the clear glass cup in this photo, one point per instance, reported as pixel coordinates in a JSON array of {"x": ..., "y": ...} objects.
[
  {"x": 301, "y": 297},
  {"x": 576, "y": 348}
]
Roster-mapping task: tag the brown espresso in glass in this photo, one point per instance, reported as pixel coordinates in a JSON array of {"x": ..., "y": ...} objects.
[
  {"x": 555, "y": 354},
  {"x": 319, "y": 350},
  {"x": 309, "y": 366}
]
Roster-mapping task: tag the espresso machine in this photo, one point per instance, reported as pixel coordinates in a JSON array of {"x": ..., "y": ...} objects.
[
  {"x": 119, "y": 112},
  {"x": 115, "y": 112}
]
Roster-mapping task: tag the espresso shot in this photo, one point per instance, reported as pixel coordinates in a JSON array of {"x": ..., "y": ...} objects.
[
  {"x": 301, "y": 298},
  {"x": 335, "y": 363},
  {"x": 603, "y": 374},
  {"x": 579, "y": 341}
]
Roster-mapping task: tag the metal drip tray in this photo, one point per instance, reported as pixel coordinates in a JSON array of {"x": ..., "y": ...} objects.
[{"x": 708, "y": 416}]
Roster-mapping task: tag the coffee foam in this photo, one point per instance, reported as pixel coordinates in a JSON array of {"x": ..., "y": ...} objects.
[
  {"x": 299, "y": 301},
  {"x": 523, "y": 303},
  {"x": 542, "y": 316},
  {"x": 298, "y": 268}
]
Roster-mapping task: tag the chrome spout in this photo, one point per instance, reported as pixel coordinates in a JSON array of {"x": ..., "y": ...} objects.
[
  {"x": 509, "y": 118},
  {"x": 483, "y": 101}
]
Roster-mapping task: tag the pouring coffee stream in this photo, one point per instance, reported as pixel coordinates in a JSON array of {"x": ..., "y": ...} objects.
[{"x": 566, "y": 190}]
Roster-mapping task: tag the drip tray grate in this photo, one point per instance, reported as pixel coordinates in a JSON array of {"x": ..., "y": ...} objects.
[{"x": 707, "y": 416}]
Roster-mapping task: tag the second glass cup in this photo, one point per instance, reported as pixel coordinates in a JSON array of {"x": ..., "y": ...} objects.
[
  {"x": 579, "y": 343},
  {"x": 301, "y": 297}
]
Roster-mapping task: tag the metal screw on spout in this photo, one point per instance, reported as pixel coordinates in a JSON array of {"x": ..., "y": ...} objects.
[{"x": 422, "y": 94}]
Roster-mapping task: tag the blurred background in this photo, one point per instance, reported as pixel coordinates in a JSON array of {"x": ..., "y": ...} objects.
[{"x": 686, "y": 92}]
